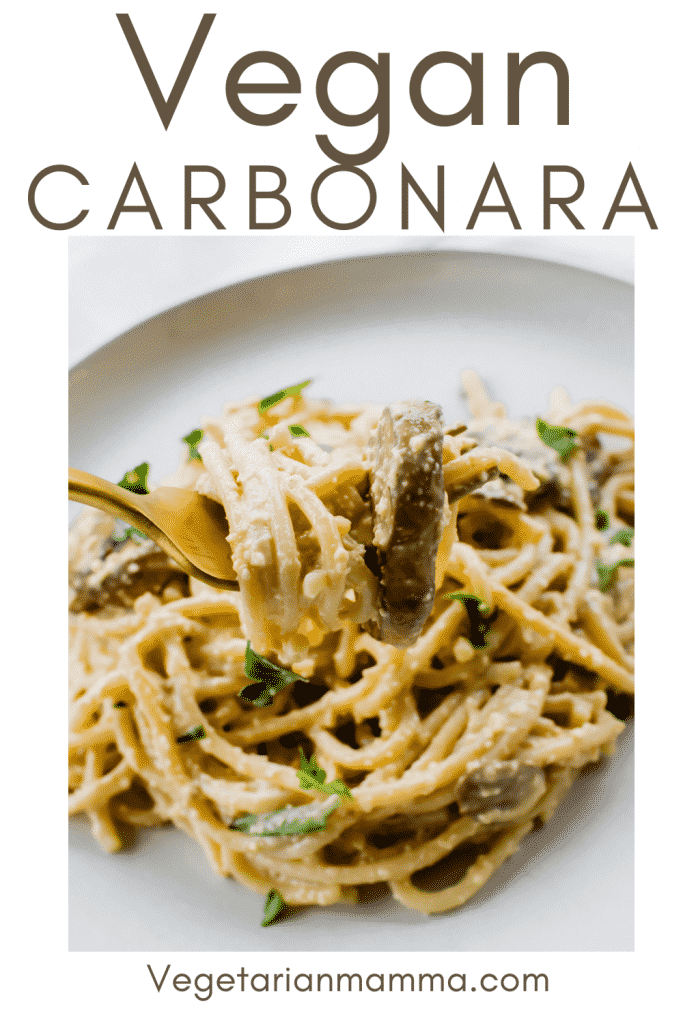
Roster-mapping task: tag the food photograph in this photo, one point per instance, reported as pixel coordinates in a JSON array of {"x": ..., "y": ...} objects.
[{"x": 351, "y": 594}]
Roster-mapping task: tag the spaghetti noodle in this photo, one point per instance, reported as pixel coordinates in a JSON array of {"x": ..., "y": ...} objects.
[{"x": 452, "y": 749}]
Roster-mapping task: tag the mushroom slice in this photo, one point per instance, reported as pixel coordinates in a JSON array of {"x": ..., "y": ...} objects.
[
  {"x": 521, "y": 438},
  {"x": 121, "y": 572},
  {"x": 500, "y": 791},
  {"x": 407, "y": 492}
]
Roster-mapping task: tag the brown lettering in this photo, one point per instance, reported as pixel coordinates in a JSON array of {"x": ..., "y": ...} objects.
[
  {"x": 474, "y": 70},
  {"x": 437, "y": 213},
  {"x": 55, "y": 225},
  {"x": 165, "y": 108},
  {"x": 233, "y": 87},
  {"x": 380, "y": 107},
  {"x": 372, "y": 201},
  {"x": 507, "y": 206},
  {"x": 204, "y": 201},
  {"x": 147, "y": 207},
  {"x": 563, "y": 203},
  {"x": 617, "y": 208},
  {"x": 276, "y": 193},
  {"x": 516, "y": 72}
]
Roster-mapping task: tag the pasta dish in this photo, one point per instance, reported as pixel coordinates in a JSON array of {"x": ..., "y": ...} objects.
[{"x": 432, "y": 636}]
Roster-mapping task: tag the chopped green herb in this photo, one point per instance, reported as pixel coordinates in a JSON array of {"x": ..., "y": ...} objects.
[
  {"x": 482, "y": 607},
  {"x": 279, "y": 396},
  {"x": 559, "y": 438},
  {"x": 273, "y": 907},
  {"x": 601, "y": 519},
  {"x": 297, "y": 431},
  {"x": 192, "y": 440},
  {"x": 608, "y": 573},
  {"x": 624, "y": 537},
  {"x": 135, "y": 480},
  {"x": 130, "y": 533},
  {"x": 476, "y": 611},
  {"x": 269, "y": 677},
  {"x": 311, "y": 776},
  {"x": 119, "y": 704},
  {"x": 287, "y": 821},
  {"x": 197, "y": 733}
]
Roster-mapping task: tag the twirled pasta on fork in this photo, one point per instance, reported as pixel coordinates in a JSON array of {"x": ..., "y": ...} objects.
[{"x": 433, "y": 624}]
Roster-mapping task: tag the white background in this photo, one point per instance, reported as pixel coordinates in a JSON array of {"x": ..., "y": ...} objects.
[{"x": 73, "y": 95}]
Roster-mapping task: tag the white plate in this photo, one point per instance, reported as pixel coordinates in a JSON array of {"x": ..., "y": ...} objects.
[{"x": 375, "y": 329}]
